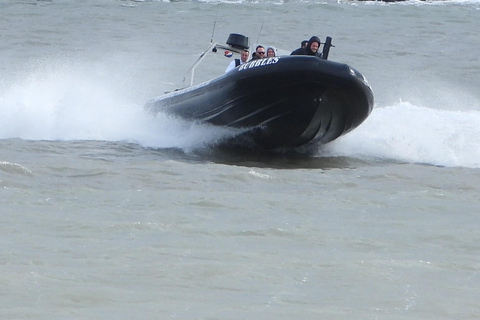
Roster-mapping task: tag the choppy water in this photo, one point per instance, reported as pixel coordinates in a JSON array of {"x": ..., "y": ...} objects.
[{"x": 108, "y": 213}]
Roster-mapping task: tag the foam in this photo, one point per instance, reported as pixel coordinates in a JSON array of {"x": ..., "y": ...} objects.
[
  {"x": 410, "y": 133},
  {"x": 71, "y": 103}
]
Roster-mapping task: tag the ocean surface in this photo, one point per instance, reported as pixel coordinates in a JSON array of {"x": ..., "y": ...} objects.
[{"x": 107, "y": 212}]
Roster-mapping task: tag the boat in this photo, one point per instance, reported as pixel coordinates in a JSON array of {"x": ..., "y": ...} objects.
[{"x": 278, "y": 103}]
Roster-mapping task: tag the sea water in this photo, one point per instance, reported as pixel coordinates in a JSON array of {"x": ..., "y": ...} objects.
[{"x": 110, "y": 213}]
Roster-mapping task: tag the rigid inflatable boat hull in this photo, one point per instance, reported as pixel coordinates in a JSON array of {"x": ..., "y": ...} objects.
[{"x": 282, "y": 102}]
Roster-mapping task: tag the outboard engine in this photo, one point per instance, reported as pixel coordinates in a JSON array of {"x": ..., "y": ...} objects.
[{"x": 238, "y": 41}]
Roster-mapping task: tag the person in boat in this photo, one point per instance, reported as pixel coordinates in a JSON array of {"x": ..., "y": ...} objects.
[
  {"x": 311, "y": 49},
  {"x": 236, "y": 62},
  {"x": 271, "y": 52},
  {"x": 304, "y": 44},
  {"x": 259, "y": 53}
]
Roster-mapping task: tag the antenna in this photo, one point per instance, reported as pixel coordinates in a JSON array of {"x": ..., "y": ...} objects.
[
  {"x": 214, "y": 24},
  {"x": 260, "y": 32}
]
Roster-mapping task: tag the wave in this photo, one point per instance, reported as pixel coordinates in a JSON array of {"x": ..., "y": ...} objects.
[
  {"x": 409, "y": 133},
  {"x": 355, "y": 2}
]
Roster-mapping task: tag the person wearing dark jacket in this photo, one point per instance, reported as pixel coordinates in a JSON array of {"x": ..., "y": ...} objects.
[
  {"x": 311, "y": 49},
  {"x": 259, "y": 53}
]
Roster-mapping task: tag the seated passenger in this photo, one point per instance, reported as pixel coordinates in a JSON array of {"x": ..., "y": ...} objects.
[
  {"x": 311, "y": 49},
  {"x": 236, "y": 62},
  {"x": 304, "y": 44},
  {"x": 271, "y": 52},
  {"x": 259, "y": 53}
]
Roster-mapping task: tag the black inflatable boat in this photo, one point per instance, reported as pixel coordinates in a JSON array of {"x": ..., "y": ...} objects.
[{"x": 281, "y": 102}]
